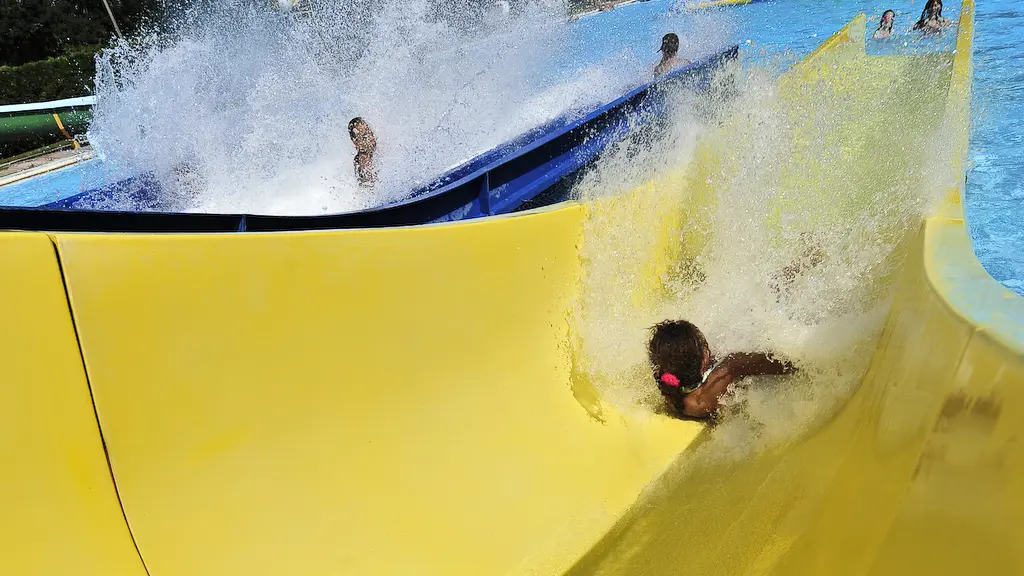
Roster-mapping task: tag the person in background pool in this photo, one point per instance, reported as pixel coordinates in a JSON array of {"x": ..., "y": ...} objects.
[
  {"x": 366, "y": 144},
  {"x": 885, "y": 26},
  {"x": 688, "y": 374},
  {"x": 669, "y": 59},
  {"x": 931, "y": 18}
]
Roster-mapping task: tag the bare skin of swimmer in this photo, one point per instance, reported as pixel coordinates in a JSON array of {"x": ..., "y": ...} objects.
[
  {"x": 704, "y": 401},
  {"x": 366, "y": 144}
]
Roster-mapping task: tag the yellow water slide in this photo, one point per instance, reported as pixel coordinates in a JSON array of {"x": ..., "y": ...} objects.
[{"x": 411, "y": 400}]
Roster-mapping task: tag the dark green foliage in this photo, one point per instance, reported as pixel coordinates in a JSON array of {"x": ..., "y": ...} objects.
[
  {"x": 47, "y": 46},
  {"x": 51, "y": 79},
  {"x": 39, "y": 29}
]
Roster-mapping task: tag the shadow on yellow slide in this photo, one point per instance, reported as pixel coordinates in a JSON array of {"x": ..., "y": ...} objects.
[{"x": 406, "y": 401}]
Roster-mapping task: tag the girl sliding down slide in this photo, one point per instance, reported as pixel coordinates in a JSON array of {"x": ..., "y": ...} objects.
[{"x": 688, "y": 375}]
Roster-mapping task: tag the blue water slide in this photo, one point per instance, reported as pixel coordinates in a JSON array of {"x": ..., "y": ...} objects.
[{"x": 534, "y": 169}]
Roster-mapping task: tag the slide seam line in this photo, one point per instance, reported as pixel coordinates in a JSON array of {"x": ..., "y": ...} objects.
[{"x": 92, "y": 399}]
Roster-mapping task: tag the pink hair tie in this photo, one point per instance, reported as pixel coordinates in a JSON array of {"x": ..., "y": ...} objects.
[{"x": 670, "y": 379}]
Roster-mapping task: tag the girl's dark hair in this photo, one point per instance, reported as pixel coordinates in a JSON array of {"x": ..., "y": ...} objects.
[
  {"x": 670, "y": 44},
  {"x": 882, "y": 21},
  {"x": 677, "y": 347},
  {"x": 927, "y": 8},
  {"x": 358, "y": 120}
]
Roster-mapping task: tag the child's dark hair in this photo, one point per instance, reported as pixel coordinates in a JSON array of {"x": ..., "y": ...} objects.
[
  {"x": 670, "y": 44},
  {"x": 355, "y": 122},
  {"x": 677, "y": 348}
]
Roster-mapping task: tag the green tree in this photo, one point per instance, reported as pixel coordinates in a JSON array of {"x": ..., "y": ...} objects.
[{"x": 39, "y": 29}]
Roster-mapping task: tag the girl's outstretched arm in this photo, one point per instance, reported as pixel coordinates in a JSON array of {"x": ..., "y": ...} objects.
[{"x": 703, "y": 401}]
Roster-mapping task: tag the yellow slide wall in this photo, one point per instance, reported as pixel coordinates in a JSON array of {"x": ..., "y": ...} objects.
[
  {"x": 58, "y": 510},
  {"x": 405, "y": 401},
  {"x": 388, "y": 401}
]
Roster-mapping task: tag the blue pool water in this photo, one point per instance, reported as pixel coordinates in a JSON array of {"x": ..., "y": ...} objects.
[
  {"x": 58, "y": 184},
  {"x": 995, "y": 186},
  {"x": 778, "y": 33}
]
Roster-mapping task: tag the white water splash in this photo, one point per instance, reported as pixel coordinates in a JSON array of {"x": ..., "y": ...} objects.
[
  {"x": 776, "y": 208},
  {"x": 251, "y": 103}
]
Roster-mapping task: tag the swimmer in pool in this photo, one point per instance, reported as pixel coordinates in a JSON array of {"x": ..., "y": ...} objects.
[
  {"x": 366, "y": 144},
  {"x": 885, "y": 26},
  {"x": 689, "y": 376},
  {"x": 931, "y": 18},
  {"x": 669, "y": 59}
]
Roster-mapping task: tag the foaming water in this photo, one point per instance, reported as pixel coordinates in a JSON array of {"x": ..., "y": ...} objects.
[
  {"x": 795, "y": 213},
  {"x": 241, "y": 107}
]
